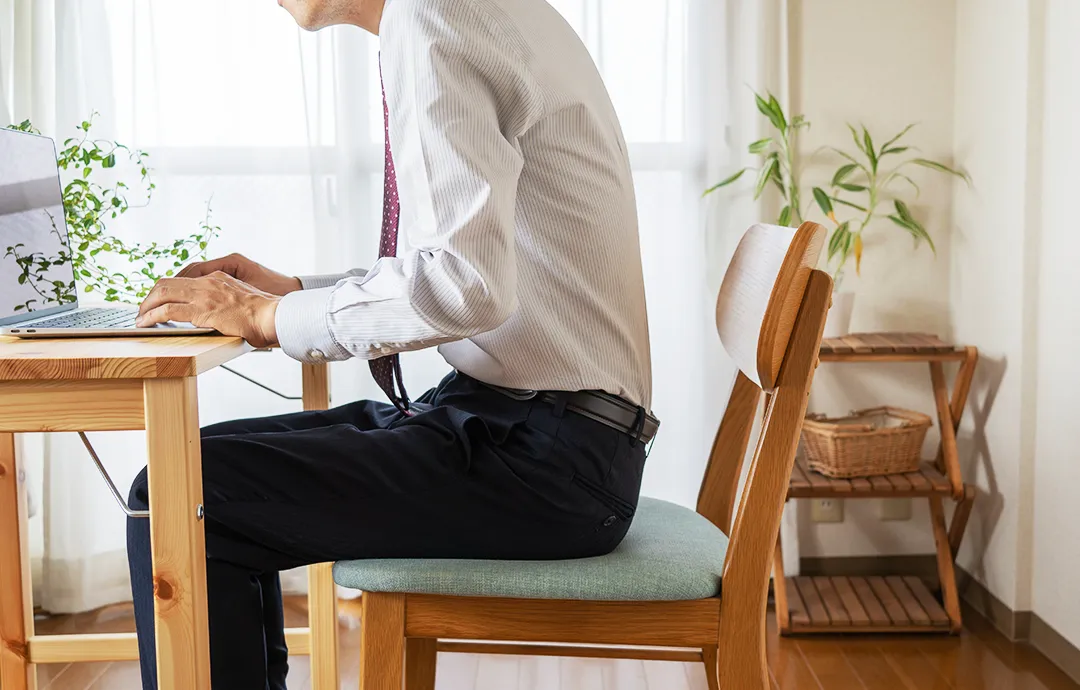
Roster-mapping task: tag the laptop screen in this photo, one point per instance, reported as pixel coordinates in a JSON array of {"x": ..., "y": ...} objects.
[{"x": 36, "y": 277}]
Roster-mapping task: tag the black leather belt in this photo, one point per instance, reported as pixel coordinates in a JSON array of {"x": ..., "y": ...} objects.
[{"x": 605, "y": 408}]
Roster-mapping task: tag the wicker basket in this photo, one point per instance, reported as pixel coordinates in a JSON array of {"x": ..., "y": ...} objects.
[{"x": 880, "y": 440}]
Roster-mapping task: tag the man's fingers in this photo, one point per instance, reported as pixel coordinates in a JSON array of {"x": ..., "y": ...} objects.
[
  {"x": 167, "y": 290},
  {"x": 226, "y": 264},
  {"x": 172, "y": 311}
]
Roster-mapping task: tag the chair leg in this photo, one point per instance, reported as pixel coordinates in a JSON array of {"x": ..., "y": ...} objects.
[
  {"x": 712, "y": 667},
  {"x": 382, "y": 641},
  {"x": 323, "y": 625},
  {"x": 420, "y": 655}
]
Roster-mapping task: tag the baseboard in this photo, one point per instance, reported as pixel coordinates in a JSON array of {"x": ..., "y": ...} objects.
[
  {"x": 924, "y": 566},
  {"x": 1020, "y": 626},
  {"x": 1017, "y": 626}
]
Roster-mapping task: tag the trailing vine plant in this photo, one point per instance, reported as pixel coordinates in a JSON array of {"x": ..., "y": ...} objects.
[{"x": 88, "y": 205}]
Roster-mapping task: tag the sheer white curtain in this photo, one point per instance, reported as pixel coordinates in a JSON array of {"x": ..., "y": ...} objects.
[{"x": 280, "y": 131}]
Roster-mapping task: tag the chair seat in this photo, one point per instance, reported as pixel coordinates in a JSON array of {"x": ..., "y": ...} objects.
[{"x": 670, "y": 553}]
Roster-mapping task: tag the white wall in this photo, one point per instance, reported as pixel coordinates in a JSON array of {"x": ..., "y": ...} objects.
[
  {"x": 1056, "y": 462},
  {"x": 855, "y": 61},
  {"x": 988, "y": 283},
  {"x": 995, "y": 85}
]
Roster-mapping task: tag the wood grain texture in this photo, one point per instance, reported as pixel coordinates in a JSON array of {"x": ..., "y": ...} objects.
[
  {"x": 780, "y": 593},
  {"x": 716, "y": 497},
  {"x": 115, "y": 358},
  {"x": 949, "y": 455},
  {"x": 960, "y": 517},
  {"x": 382, "y": 641},
  {"x": 119, "y": 646},
  {"x": 928, "y": 481},
  {"x": 981, "y": 659},
  {"x": 323, "y": 626},
  {"x": 748, "y": 562},
  {"x": 421, "y": 655},
  {"x": 569, "y": 651},
  {"x": 322, "y": 593},
  {"x": 711, "y": 661},
  {"x": 16, "y": 605},
  {"x": 176, "y": 533},
  {"x": 946, "y": 569},
  {"x": 92, "y": 405},
  {"x": 660, "y": 623}
]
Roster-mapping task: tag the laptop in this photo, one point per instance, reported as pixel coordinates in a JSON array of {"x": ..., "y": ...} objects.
[{"x": 38, "y": 295}]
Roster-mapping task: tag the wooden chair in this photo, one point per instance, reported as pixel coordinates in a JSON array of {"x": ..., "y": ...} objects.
[{"x": 670, "y": 570}]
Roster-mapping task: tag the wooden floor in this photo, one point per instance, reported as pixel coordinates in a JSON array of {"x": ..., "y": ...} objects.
[{"x": 979, "y": 659}]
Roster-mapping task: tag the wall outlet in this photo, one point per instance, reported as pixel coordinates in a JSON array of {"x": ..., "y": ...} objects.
[
  {"x": 827, "y": 510},
  {"x": 896, "y": 509}
]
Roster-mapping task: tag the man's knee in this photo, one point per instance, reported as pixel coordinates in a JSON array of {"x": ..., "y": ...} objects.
[{"x": 139, "y": 495}]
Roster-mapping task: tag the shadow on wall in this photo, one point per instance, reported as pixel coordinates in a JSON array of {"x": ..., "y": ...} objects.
[{"x": 979, "y": 466}]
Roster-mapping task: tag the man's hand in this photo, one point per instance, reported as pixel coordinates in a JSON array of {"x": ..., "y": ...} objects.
[
  {"x": 239, "y": 266},
  {"x": 217, "y": 301}
]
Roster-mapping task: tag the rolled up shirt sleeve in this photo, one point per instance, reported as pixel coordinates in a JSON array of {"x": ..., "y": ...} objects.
[{"x": 458, "y": 94}]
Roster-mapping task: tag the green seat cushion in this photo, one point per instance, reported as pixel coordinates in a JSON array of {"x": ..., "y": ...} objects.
[{"x": 669, "y": 553}]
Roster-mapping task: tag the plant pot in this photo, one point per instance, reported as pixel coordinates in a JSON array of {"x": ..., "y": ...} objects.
[{"x": 838, "y": 322}]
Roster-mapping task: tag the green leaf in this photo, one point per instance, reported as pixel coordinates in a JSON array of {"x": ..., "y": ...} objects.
[
  {"x": 895, "y": 139},
  {"x": 86, "y": 172},
  {"x": 848, "y": 203},
  {"x": 852, "y": 187},
  {"x": 839, "y": 241},
  {"x": 823, "y": 200},
  {"x": 902, "y": 210},
  {"x": 843, "y": 172},
  {"x": 785, "y": 216},
  {"x": 775, "y": 117},
  {"x": 761, "y": 145},
  {"x": 855, "y": 138},
  {"x": 22, "y": 279},
  {"x": 774, "y": 106},
  {"x": 109, "y": 161},
  {"x": 914, "y": 229},
  {"x": 771, "y": 163},
  {"x": 934, "y": 165},
  {"x": 895, "y": 149},
  {"x": 89, "y": 288},
  {"x": 870, "y": 153},
  {"x": 722, "y": 183}
]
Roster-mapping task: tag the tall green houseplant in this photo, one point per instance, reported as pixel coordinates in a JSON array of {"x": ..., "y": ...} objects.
[{"x": 870, "y": 178}]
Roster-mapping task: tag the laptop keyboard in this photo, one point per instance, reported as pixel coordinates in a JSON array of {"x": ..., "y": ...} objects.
[{"x": 94, "y": 317}]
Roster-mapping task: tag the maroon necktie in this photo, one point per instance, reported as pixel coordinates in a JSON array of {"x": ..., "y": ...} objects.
[{"x": 386, "y": 370}]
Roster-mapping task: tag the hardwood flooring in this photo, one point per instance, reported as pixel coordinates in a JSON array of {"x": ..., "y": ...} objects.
[{"x": 979, "y": 659}]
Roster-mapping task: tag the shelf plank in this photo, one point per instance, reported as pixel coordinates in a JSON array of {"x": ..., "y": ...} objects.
[
  {"x": 907, "y": 599},
  {"x": 874, "y": 609},
  {"x": 933, "y": 608},
  {"x": 796, "y": 607},
  {"x": 892, "y": 605},
  {"x": 814, "y": 606},
  {"x": 854, "y": 607},
  {"x": 838, "y": 615}
]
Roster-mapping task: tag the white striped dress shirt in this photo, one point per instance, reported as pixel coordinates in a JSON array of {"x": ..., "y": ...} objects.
[{"x": 517, "y": 200}]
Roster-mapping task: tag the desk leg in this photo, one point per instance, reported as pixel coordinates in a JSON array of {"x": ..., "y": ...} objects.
[
  {"x": 16, "y": 604},
  {"x": 176, "y": 533}
]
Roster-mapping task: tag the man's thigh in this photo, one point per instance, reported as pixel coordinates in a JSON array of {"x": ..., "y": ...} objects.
[{"x": 434, "y": 486}]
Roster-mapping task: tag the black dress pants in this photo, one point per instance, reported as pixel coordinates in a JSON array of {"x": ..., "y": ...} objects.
[{"x": 474, "y": 474}]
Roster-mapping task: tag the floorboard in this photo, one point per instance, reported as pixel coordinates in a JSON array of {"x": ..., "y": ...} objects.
[{"x": 979, "y": 659}]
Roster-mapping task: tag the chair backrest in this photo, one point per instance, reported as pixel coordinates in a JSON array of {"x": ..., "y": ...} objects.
[{"x": 770, "y": 315}]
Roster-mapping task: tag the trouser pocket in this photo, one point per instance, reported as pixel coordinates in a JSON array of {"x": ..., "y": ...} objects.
[{"x": 621, "y": 508}]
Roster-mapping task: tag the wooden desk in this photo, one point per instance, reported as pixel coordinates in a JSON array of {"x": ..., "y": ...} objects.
[{"x": 115, "y": 384}]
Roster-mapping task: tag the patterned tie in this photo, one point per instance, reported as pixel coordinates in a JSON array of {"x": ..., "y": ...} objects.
[{"x": 386, "y": 370}]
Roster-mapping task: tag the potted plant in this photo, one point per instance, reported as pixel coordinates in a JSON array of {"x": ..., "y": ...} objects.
[
  {"x": 103, "y": 264},
  {"x": 867, "y": 189}
]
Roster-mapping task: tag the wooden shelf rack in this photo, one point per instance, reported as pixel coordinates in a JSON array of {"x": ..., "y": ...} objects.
[{"x": 893, "y": 603}]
